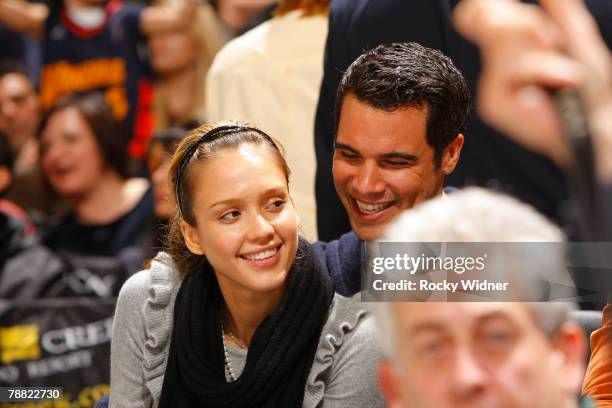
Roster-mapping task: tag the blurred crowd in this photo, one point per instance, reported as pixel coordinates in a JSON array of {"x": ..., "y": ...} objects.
[{"x": 96, "y": 95}]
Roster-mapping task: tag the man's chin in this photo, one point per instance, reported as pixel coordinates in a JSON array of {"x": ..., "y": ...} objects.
[
  {"x": 369, "y": 232},
  {"x": 372, "y": 230}
]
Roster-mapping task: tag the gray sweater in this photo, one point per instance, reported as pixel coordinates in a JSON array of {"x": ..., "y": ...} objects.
[{"x": 343, "y": 373}]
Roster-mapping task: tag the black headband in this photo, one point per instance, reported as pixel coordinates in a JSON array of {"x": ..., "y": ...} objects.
[{"x": 208, "y": 137}]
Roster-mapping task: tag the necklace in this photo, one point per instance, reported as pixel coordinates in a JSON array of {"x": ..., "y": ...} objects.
[{"x": 228, "y": 367}]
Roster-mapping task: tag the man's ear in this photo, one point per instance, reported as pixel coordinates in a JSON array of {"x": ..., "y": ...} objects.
[
  {"x": 450, "y": 155},
  {"x": 190, "y": 234},
  {"x": 570, "y": 345},
  {"x": 389, "y": 384},
  {"x": 6, "y": 178}
]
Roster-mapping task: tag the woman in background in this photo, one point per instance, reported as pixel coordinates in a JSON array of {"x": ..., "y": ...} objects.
[
  {"x": 181, "y": 58},
  {"x": 83, "y": 158},
  {"x": 161, "y": 148}
]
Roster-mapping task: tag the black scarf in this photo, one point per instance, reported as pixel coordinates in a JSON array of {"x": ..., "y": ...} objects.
[{"x": 280, "y": 354}]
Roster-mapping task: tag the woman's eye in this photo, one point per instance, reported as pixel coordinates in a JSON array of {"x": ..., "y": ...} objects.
[{"x": 228, "y": 216}]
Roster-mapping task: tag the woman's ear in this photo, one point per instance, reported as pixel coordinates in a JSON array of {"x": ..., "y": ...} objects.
[{"x": 192, "y": 240}]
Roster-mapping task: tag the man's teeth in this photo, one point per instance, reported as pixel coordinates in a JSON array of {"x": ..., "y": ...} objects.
[
  {"x": 372, "y": 208},
  {"x": 261, "y": 255}
]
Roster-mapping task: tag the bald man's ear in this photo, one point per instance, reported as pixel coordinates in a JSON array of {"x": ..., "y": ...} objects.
[
  {"x": 570, "y": 345},
  {"x": 450, "y": 155},
  {"x": 389, "y": 384}
]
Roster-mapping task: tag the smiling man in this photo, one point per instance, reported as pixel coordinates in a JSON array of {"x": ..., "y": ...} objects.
[{"x": 401, "y": 111}]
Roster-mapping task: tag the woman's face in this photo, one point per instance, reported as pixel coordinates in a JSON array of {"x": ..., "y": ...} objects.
[
  {"x": 159, "y": 166},
  {"x": 70, "y": 156},
  {"x": 172, "y": 50},
  {"x": 246, "y": 223}
]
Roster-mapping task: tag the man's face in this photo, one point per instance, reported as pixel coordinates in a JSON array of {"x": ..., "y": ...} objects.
[
  {"x": 384, "y": 165},
  {"x": 480, "y": 355},
  {"x": 19, "y": 112}
]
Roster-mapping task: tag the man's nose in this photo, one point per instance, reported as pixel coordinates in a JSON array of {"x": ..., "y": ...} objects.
[
  {"x": 468, "y": 378},
  {"x": 367, "y": 180}
]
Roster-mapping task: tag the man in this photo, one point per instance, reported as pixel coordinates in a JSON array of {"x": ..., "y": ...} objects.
[
  {"x": 481, "y": 354},
  {"x": 401, "y": 113},
  {"x": 19, "y": 117},
  {"x": 19, "y": 110},
  {"x": 489, "y": 157}
]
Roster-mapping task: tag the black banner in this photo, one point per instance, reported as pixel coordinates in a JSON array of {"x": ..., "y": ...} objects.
[{"x": 62, "y": 342}]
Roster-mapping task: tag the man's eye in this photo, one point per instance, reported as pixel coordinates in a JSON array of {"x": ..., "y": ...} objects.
[
  {"x": 231, "y": 215},
  {"x": 394, "y": 163},
  {"x": 348, "y": 155},
  {"x": 431, "y": 349},
  {"x": 498, "y": 339},
  {"x": 277, "y": 204}
]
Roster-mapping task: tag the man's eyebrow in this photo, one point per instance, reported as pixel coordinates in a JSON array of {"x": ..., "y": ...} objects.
[
  {"x": 390, "y": 155},
  {"x": 424, "y": 327},
  {"x": 399, "y": 155},
  {"x": 495, "y": 315},
  {"x": 342, "y": 146}
]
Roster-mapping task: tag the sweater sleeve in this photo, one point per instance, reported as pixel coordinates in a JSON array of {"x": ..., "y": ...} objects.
[
  {"x": 344, "y": 372},
  {"x": 353, "y": 381},
  {"x": 127, "y": 345}
]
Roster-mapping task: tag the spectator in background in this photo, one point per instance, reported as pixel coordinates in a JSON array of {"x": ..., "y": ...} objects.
[
  {"x": 161, "y": 148},
  {"x": 28, "y": 270},
  {"x": 270, "y": 76},
  {"x": 83, "y": 160},
  {"x": 482, "y": 354},
  {"x": 181, "y": 59},
  {"x": 93, "y": 44},
  {"x": 19, "y": 117}
]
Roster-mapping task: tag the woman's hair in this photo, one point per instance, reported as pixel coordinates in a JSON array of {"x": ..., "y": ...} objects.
[
  {"x": 309, "y": 7},
  {"x": 109, "y": 134},
  {"x": 201, "y": 144}
]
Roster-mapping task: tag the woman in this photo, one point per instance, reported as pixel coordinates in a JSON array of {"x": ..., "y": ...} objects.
[
  {"x": 181, "y": 58},
  {"x": 83, "y": 158},
  {"x": 238, "y": 313}
]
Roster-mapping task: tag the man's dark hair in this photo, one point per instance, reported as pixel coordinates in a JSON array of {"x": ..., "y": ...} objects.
[
  {"x": 13, "y": 67},
  {"x": 402, "y": 75}
]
